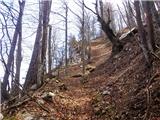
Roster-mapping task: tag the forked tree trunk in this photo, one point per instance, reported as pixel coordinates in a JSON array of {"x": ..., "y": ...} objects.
[
  {"x": 117, "y": 46},
  {"x": 31, "y": 77},
  {"x": 15, "y": 89},
  {"x": 11, "y": 53}
]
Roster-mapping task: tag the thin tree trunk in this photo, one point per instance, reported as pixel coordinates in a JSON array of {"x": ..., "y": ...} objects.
[
  {"x": 13, "y": 45},
  {"x": 49, "y": 50},
  {"x": 15, "y": 89},
  {"x": 150, "y": 41},
  {"x": 46, "y": 12},
  {"x": 66, "y": 39},
  {"x": 141, "y": 31},
  {"x": 83, "y": 40},
  {"x": 31, "y": 77}
]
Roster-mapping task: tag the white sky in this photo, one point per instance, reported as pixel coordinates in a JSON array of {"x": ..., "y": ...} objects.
[{"x": 30, "y": 26}]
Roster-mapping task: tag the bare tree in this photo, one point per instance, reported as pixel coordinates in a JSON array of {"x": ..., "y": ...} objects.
[
  {"x": 31, "y": 77},
  {"x": 151, "y": 42},
  {"x": 12, "y": 49},
  {"x": 129, "y": 14},
  {"x": 49, "y": 50},
  {"x": 37, "y": 65},
  {"x": 141, "y": 31},
  {"x": 117, "y": 46},
  {"x": 15, "y": 89},
  {"x": 66, "y": 37}
]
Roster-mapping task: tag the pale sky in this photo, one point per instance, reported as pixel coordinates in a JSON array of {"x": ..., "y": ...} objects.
[{"x": 30, "y": 26}]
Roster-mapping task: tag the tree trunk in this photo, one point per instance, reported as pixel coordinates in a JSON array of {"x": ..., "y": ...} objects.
[
  {"x": 83, "y": 40},
  {"x": 46, "y": 8},
  {"x": 31, "y": 77},
  {"x": 66, "y": 39},
  {"x": 13, "y": 45},
  {"x": 38, "y": 61},
  {"x": 15, "y": 89},
  {"x": 49, "y": 50},
  {"x": 142, "y": 35},
  {"x": 117, "y": 46},
  {"x": 150, "y": 28}
]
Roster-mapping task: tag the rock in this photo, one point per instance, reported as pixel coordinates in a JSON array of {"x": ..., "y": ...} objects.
[
  {"x": 40, "y": 101},
  {"x": 41, "y": 118},
  {"x": 48, "y": 96},
  {"x": 34, "y": 87},
  {"x": 48, "y": 79},
  {"x": 106, "y": 92},
  {"x": 1, "y": 116},
  {"x": 51, "y": 94},
  {"x": 27, "y": 116},
  {"x": 90, "y": 68},
  {"x": 97, "y": 110}
]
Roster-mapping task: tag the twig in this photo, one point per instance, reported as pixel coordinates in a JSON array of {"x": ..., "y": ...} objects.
[
  {"x": 155, "y": 55},
  {"x": 148, "y": 92},
  {"x": 31, "y": 98}
]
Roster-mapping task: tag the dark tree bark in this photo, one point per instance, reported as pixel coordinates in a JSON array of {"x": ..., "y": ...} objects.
[
  {"x": 15, "y": 89},
  {"x": 83, "y": 40},
  {"x": 117, "y": 46},
  {"x": 66, "y": 37},
  {"x": 46, "y": 8},
  {"x": 49, "y": 50},
  {"x": 31, "y": 77},
  {"x": 11, "y": 53},
  {"x": 150, "y": 28},
  {"x": 141, "y": 31},
  {"x": 37, "y": 66}
]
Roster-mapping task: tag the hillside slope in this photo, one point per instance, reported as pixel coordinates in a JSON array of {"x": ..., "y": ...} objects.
[{"x": 120, "y": 88}]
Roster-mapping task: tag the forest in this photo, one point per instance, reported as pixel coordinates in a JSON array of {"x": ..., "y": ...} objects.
[{"x": 80, "y": 60}]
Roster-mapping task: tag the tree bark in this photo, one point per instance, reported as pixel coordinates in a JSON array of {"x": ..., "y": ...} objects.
[
  {"x": 46, "y": 8},
  {"x": 13, "y": 45},
  {"x": 31, "y": 77},
  {"x": 83, "y": 40},
  {"x": 49, "y": 50},
  {"x": 117, "y": 46},
  {"x": 66, "y": 38},
  {"x": 142, "y": 35},
  {"x": 15, "y": 89},
  {"x": 150, "y": 28}
]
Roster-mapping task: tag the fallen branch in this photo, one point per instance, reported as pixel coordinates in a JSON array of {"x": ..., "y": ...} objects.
[
  {"x": 30, "y": 97},
  {"x": 17, "y": 104}
]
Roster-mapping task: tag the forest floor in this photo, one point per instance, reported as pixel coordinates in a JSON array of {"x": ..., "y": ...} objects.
[{"x": 119, "y": 87}]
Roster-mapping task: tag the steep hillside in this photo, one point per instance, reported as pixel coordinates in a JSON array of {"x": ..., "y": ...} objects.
[{"x": 119, "y": 88}]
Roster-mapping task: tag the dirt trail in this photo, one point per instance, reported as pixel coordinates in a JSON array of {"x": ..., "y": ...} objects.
[{"x": 77, "y": 98}]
